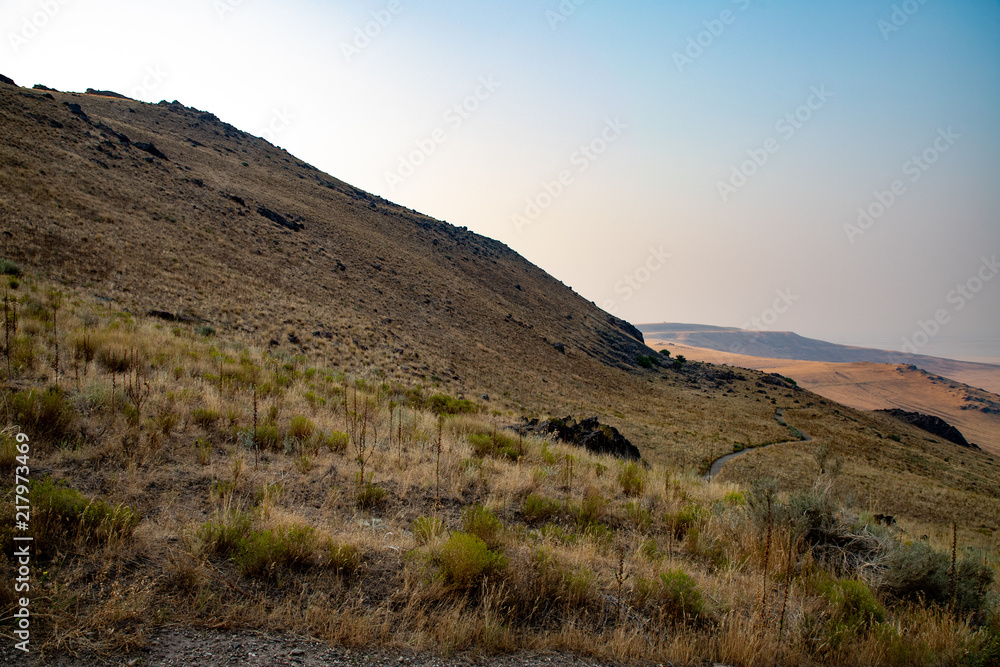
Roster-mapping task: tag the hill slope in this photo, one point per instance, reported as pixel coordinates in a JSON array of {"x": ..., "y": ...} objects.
[{"x": 166, "y": 208}]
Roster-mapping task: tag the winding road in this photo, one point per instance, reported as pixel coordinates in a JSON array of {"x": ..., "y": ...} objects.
[{"x": 779, "y": 417}]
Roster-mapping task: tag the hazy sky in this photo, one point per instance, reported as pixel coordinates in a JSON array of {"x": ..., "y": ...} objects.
[{"x": 672, "y": 161}]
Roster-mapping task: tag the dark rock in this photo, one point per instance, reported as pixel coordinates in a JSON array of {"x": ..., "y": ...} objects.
[
  {"x": 328, "y": 335},
  {"x": 885, "y": 519},
  {"x": 39, "y": 86},
  {"x": 293, "y": 339},
  {"x": 7, "y": 80},
  {"x": 485, "y": 397},
  {"x": 279, "y": 219},
  {"x": 152, "y": 150},
  {"x": 106, "y": 93},
  {"x": 77, "y": 110},
  {"x": 561, "y": 347},
  {"x": 931, "y": 424},
  {"x": 238, "y": 200},
  {"x": 163, "y": 315},
  {"x": 589, "y": 433}
]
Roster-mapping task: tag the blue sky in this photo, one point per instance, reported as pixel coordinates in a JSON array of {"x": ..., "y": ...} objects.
[{"x": 670, "y": 98}]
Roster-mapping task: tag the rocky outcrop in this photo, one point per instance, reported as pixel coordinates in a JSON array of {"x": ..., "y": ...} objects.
[
  {"x": 7, "y": 80},
  {"x": 106, "y": 93},
  {"x": 152, "y": 150},
  {"x": 931, "y": 424},
  {"x": 279, "y": 219},
  {"x": 589, "y": 433}
]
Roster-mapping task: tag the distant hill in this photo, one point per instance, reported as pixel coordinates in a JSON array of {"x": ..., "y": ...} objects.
[{"x": 789, "y": 345}]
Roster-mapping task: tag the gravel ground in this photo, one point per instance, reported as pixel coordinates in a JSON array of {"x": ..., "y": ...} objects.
[{"x": 201, "y": 648}]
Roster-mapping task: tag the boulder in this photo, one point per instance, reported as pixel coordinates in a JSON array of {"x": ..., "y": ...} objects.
[
  {"x": 590, "y": 433},
  {"x": 931, "y": 424},
  {"x": 151, "y": 149},
  {"x": 7, "y": 80}
]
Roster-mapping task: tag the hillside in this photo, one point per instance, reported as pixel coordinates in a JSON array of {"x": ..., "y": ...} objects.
[
  {"x": 868, "y": 386},
  {"x": 789, "y": 345},
  {"x": 258, "y": 398}
]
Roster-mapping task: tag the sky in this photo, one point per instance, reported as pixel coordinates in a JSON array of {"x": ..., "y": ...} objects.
[{"x": 825, "y": 168}]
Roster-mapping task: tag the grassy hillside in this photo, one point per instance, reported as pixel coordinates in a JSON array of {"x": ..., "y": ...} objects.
[{"x": 259, "y": 397}]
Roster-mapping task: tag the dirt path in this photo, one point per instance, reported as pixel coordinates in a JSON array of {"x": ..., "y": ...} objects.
[
  {"x": 779, "y": 416},
  {"x": 184, "y": 647}
]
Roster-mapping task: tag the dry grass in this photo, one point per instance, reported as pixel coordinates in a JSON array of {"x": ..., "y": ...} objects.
[{"x": 232, "y": 533}]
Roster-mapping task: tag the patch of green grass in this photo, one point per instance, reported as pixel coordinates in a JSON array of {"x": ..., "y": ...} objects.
[
  {"x": 632, "y": 479},
  {"x": 301, "y": 428},
  {"x": 46, "y": 414},
  {"x": 9, "y": 268},
  {"x": 370, "y": 495},
  {"x": 443, "y": 404},
  {"x": 672, "y": 596},
  {"x": 342, "y": 557},
  {"x": 426, "y": 529},
  {"x": 264, "y": 553},
  {"x": 61, "y": 516},
  {"x": 536, "y": 509},
  {"x": 205, "y": 417}
]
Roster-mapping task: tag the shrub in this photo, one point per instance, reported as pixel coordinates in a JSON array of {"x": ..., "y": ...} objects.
[
  {"x": 917, "y": 571},
  {"x": 9, "y": 268},
  {"x": 261, "y": 553},
  {"x": 443, "y": 404},
  {"x": 426, "y": 528},
  {"x": 301, "y": 428},
  {"x": 497, "y": 445},
  {"x": 268, "y": 437},
  {"x": 673, "y": 595},
  {"x": 205, "y": 417},
  {"x": 204, "y": 449},
  {"x": 342, "y": 557},
  {"x": 225, "y": 535},
  {"x": 590, "y": 511},
  {"x": 647, "y": 361},
  {"x": 479, "y": 521},
  {"x": 632, "y": 479},
  {"x": 115, "y": 357},
  {"x": 370, "y": 495},
  {"x": 684, "y": 519},
  {"x": 336, "y": 441},
  {"x": 47, "y": 415},
  {"x": 638, "y": 515},
  {"x": 539, "y": 508},
  {"x": 205, "y": 331},
  {"x": 61, "y": 515},
  {"x": 166, "y": 419},
  {"x": 465, "y": 560}
]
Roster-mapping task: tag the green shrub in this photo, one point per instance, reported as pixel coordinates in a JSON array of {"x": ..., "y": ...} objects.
[
  {"x": 684, "y": 519},
  {"x": 479, "y": 521},
  {"x": 673, "y": 595},
  {"x": 335, "y": 441},
  {"x": 166, "y": 419},
  {"x": 225, "y": 534},
  {"x": 205, "y": 331},
  {"x": 918, "y": 572},
  {"x": 632, "y": 479},
  {"x": 370, "y": 495},
  {"x": 342, "y": 557},
  {"x": 9, "y": 268},
  {"x": 268, "y": 437},
  {"x": 853, "y": 610},
  {"x": 465, "y": 560},
  {"x": 301, "y": 428},
  {"x": 536, "y": 509},
  {"x": 262, "y": 553},
  {"x": 426, "y": 528},
  {"x": 497, "y": 445},
  {"x": 203, "y": 447},
  {"x": 443, "y": 404},
  {"x": 647, "y": 361},
  {"x": 47, "y": 415},
  {"x": 638, "y": 516},
  {"x": 61, "y": 515},
  {"x": 205, "y": 417},
  {"x": 590, "y": 511}
]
